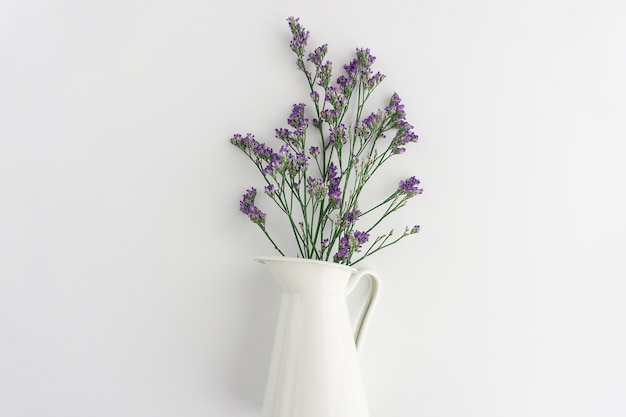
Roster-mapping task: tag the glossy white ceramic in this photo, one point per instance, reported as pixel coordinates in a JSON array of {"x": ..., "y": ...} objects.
[{"x": 314, "y": 369}]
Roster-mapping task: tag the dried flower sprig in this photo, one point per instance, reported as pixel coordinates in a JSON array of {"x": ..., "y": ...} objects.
[{"x": 318, "y": 186}]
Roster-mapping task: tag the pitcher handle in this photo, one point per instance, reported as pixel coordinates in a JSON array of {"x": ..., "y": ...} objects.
[{"x": 372, "y": 296}]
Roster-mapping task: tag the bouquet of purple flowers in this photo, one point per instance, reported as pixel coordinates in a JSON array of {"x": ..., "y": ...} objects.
[{"x": 317, "y": 186}]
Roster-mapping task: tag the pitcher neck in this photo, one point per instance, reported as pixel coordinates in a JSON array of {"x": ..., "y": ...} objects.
[{"x": 297, "y": 275}]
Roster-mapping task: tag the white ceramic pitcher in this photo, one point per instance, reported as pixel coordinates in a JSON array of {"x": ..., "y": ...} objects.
[{"x": 314, "y": 369}]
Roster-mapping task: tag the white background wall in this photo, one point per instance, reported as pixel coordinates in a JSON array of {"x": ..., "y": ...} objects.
[{"x": 126, "y": 281}]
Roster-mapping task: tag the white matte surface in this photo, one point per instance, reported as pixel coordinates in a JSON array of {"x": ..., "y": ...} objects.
[{"x": 127, "y": 285}]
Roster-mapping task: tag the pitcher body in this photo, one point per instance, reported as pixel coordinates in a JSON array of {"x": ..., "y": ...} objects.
[{"x": 314, "y": 368}]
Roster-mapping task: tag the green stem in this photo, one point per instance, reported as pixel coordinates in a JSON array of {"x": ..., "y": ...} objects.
[{"x": 271, "y": 240}]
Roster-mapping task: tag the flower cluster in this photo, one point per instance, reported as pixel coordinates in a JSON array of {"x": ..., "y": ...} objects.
[
  {"x": 246, "y": 206},
  {"x": 410, "y": 187},
  {"x": 318, "y": 186}
]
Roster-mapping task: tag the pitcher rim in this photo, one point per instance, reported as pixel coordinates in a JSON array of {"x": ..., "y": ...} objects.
[{"x": 262, "y": 259}]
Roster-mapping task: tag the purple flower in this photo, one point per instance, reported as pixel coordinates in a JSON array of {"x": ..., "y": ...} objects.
[
  {"x": 395, "y": 107},
  {"x": 329, "y": 116},
  {"x": 287, "y": 161},
  {"x": 316, "y": 188},
  {"x": 274, "y": 164},
  {"x": 261, "y": 150},
  {"x": 350, "y": 243},
  {"x": 409, "y": 187},
  {"x": 404, "y": 135},
  {"x": 338, "y": 136},
  {"x": 365, "y": 61},
  {"x": 318, "y": 55},
  {"x": 285, "y": 152},
  {"x": 285, "y": 155},
  {"x": 240, "y": 141},
  {"x": 334, "y": 196},
  {"x": 370, "y": 120},
  {"x": 324, "y": 73},
  {"x": 283, "y": 134},
  {"x": 365, "y": 127},
  {"x": 336, "y": 99},
  {"x": 246, "y": 206},
  {"x": 353, "y": 216},
  {"x": 246, "y": 143},
  {"x": 258, "y": 150},
  {"x": 332, "y": 170},
  {"x": 361, "y": 238},
  {"x": 301, "y": 162},
  {"x": 270, "y": 190},
  {"x": 375, "y": 80},
  {"x": 352, "y": 68},
  {"x": 359, "y": 67},
  {"x": 334, "y": 192},
  {"x": 297, "y": 119},
  {"x": 314, "y": 151},
  {"x": 300, "y": 36},
  {"x": 343, "y": 251},
  {"x": 270, "y": 168},
  {"x": 345, "y": 83}
]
